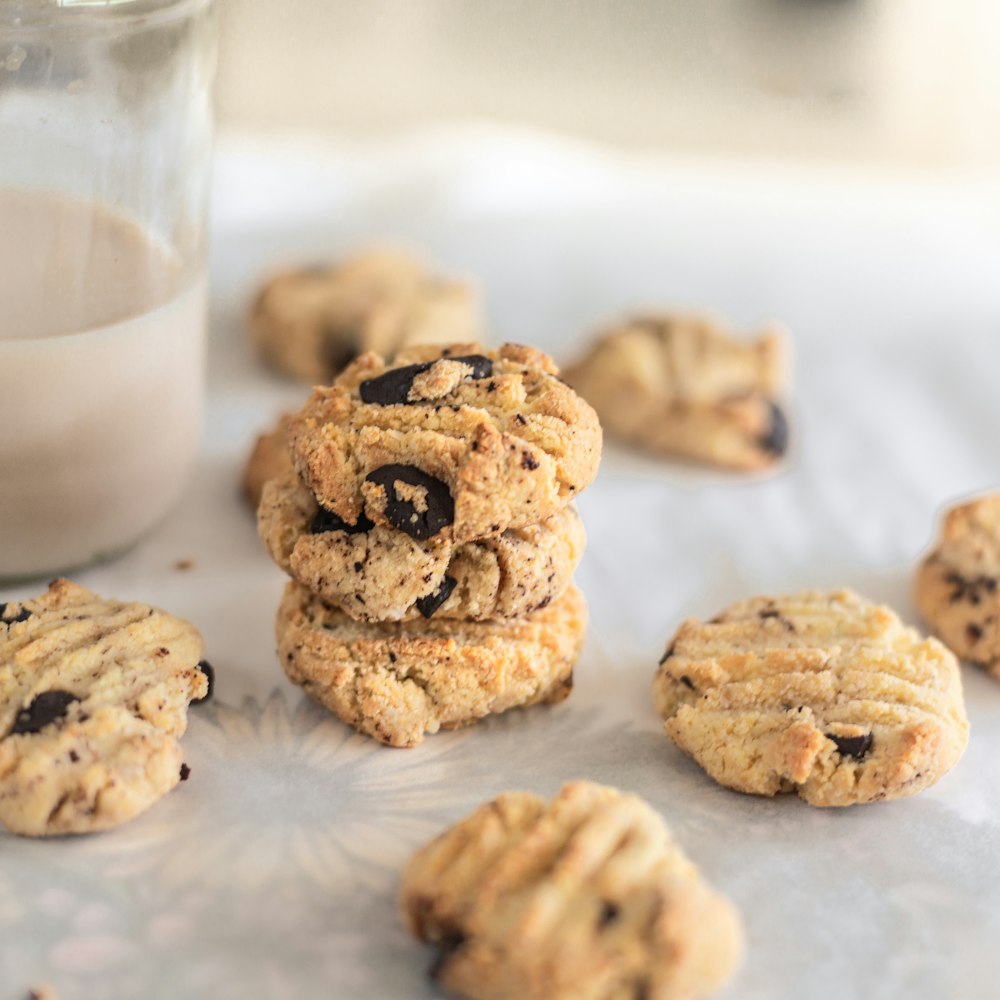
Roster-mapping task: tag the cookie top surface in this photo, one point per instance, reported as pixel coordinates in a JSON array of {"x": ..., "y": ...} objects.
[
  {"x": 93, "y": 698},
  {"x": 683, "y": 385},
  {"x": 310, "y": 322},
  {"x": 396, "y": 681},
  {"x": 447, "y": 443},
  {"x": 382, "y": 574},
  {"x": 587, "y": 895},
  {"x": 823, "y": 694},
  {"x": 958, "y": 584}
]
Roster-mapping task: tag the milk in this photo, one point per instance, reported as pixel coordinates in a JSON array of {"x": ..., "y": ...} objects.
[{"x": 101, "y": 381}]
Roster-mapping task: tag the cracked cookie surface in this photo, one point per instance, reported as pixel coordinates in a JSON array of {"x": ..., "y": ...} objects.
[
  {"x": 958, "y": 584},
  {"x": 93, "y": 700},
  {"x": 396, "y": 681},
  {"x": 681, "y": 385},
  {"x": 311, "y": 322},
  {"x": 822, "y": 694},
  {"x": 382, "y": 574},
  {"x": 452, "y": 444},
  {"x": 586, "y": 896}
]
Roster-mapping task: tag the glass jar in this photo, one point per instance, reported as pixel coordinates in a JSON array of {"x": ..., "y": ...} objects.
[{"x": 105, "y": 146}]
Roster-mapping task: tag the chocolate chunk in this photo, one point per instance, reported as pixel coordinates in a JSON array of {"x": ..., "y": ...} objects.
[
  {"x": 973, "y": 632},
  {"x": 393, "y": 387},
  {"x": 609, "y": 914},
  {"x": 852, "y": 746},
  {"x": 340, "y": 348},
  {"x": 403, "y": 514},
  {"x": 209, "y": 671},
  {"x": 46, "y": 708},
  {"x": 23, "y": 615},
  {"x": 776, "y": 439},
  {"x": 429, "y": 603},
  {"x": 325, "y": 520},
  {"x": 970, "y": 588},
  {"x": 185, "y": 772},
  {"x": 528, "y": 461},
  {"x": 448, "y": 945},
  {"x": 686, "y": 681}
]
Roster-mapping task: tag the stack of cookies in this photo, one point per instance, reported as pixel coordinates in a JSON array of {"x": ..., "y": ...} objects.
[{"x": 429, "y": 529}]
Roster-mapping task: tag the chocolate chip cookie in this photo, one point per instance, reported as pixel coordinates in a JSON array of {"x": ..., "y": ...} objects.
[
  {"x": 395, "y": 681},
  {"x": 311, "y": 322},
  {"x": 958, "y": 584},
  {"x": 822, "y": 694},
  {"x": 447, "y": 443},
  {"x": 588, "y": 895},
  {"x": 375, "y": 573},
  {"x": 93, "y": 700},
  {"x": 269, "y": 459},
  {"x": 681, "y": 385}
]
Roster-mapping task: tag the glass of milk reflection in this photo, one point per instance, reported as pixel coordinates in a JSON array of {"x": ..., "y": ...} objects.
[{"x": 105, "y": 143}]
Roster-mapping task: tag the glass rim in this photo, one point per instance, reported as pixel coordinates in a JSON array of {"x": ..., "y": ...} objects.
[{"x": 32, "y": 15}]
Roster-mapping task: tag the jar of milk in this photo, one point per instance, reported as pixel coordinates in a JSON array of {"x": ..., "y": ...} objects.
[{"x": 105, "y": 142}]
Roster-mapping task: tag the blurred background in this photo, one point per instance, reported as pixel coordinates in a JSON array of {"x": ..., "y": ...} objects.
[{"x": 914, "y": 82}]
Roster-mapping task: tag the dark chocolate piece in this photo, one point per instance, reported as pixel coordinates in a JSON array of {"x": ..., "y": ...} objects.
[
  {"x": 185, "y": 772},
  {"x": 429, "y": 603},
  {"x": 326, "y": 520},
  {"x": 973, "y": 632},
  {"x": 448, "y": 945},
  {"x": 852, "y": 746},
  {"x": 23, "y": 615},
  {"x": 609, "y": 914},
  {"x": 687, "y": 682},
  {"x": 209, "y": 671},
  {"x": 46, "y": 708},
  {"x": 393, "y": 387},
  {"x": 970, "y": 588},
  {"x": 776, "y": 439},
  {"x": 403, "y": 514}
]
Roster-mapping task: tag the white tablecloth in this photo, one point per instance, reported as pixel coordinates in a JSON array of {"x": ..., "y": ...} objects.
[{"x": 272, "y": 872}]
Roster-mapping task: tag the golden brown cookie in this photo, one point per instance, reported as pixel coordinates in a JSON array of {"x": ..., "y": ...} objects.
[
  {"x": 588, "y": 895},
  {"x": 681, "y": 385},
  {"x": 958, "y": 584},
  {"x": 93, "y": 700},
  {"x": 822, "y": 694},
  {"x": 447, "y": 443},
  {"x": 380, "y": 574},
  {"x": 269, "y": 459},
  {"x": 311, "y": 322},
  {"x": 395, "y": 681}
]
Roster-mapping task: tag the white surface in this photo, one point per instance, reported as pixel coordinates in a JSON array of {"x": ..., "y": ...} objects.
[{"x": 272, "y": 872}]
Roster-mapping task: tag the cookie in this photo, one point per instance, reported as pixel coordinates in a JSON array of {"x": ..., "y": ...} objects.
[
  {"x": 269, "y": 459},
  {"x": 93, "y": 699},
  {"x": 958, "y": 584},
  {"x": 822, "y": 694},
  {"x": 452, "y": 444},
  {"x": 588, "y": 895},
  {"x": 681, "y": 385},
  {"x": 395, "y": 681},
  {"x": 381, "y": 574},
  {"x": 311, "y": 322}
]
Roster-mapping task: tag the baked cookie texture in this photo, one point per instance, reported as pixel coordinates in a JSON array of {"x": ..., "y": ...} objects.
[
  {"x": 396, "y": 681},
  {"x": 269, "y": 459},
  {"x": 93, "y": 700},
  {"x": 682, "y": 385},
  {"x": 381, "y": 574},
  {"x": 587, "y": 896},
  {"x": 958, "y": 584},
  {"x": 822, "y": 694},
  {"x": 312, "y": 321},
  {"x": 450, "y": 443}
]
